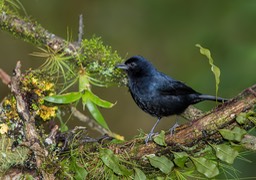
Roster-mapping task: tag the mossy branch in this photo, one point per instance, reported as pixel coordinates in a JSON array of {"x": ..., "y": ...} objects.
[
  {"x": 29, "y": 31},
  {"x": 192, "y": 138},
  {"x": 205, "y": 129},
  {"x": 98, "y": 59},
  {"x": 33, "y": 139}
]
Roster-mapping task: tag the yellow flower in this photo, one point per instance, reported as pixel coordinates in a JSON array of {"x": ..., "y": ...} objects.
[
  {"x": 3, "y": 128},
  {"x": 38, "y": 92},
  {"x": 48, "y": 86},
  {"x": 34, "y": 80},
  {"x": 46, "y": 112}
]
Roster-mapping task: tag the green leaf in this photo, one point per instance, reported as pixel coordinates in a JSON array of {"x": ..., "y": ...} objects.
[
  {"x": 96, "y": 114},
  {"x": 110, "y": 160},
  {"x": 80, "y": 171},
  {"x": 139, "y": 174},
  {"x": 180, "y": 158},
  {"x": 225, "y": 153},
  {"x": 181, "y": 175},
  {"x": 160, "y": 178},
  {"x": 63, "y": 126},
  {"x": 84, "y": 83},
  {"x": 64, "y": 98},
  {"x": 252, "y": 119},
  {"x": 112, "y": 176},
  {"x": 28, "y": 176},
  {"x": 214, "y": 68},
  {"x": 85, "y": 98},
  {"x": 159, "y": 139},
  {"x": 207, "y": 167},
  {"x": 98, "y": 101},
  {"x": 241, "y": 118},
  {"x": 163, "y": 163},
  {"x": 235, "y": 134}
]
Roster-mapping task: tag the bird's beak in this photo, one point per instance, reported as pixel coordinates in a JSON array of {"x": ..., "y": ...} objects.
[{"x": 122, "y": 66}]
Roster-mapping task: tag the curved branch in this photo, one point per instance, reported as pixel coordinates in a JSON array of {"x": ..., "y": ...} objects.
[{"x": 200, "y": 130}]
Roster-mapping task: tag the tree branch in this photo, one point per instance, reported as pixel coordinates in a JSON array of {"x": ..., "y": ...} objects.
[
  {"x": 199, "y": 130},
  {"x": 221, "y": 117},
  {"x": 6, "y": 79},
  {"x": 31, "y": 133},
  {"x": 90, "y": 122},
  {"x": 34, "y": 33}
]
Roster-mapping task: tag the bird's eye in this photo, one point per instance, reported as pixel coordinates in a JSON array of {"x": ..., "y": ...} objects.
[{"x": 133, "y": 64}]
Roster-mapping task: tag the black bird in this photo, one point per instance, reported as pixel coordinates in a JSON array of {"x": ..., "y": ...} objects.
[{"x": 158, "y": 94}]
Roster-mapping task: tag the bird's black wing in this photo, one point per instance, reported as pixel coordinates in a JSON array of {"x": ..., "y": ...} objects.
[{"x": 169, "y": 86}]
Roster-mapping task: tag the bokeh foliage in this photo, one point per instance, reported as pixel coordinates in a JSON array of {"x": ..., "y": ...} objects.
[{"x": 166, "y": 32}]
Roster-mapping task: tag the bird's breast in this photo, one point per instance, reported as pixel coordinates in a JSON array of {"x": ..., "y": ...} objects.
[{"x": 146, "y": 97}]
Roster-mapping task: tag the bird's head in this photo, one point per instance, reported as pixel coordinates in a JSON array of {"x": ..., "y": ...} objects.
[{"x": 137, "y": 66}]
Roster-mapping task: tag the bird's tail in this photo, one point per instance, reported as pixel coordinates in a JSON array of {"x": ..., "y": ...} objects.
[{"x": 212, "y": 98}]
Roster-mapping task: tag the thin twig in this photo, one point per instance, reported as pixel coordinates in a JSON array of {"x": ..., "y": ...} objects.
[
  {"x": 52, "y": 136},
  {"x": 6, "y": 79},
  {"x": 80, "y": 30},
  {"x": 91, "y": 123}
]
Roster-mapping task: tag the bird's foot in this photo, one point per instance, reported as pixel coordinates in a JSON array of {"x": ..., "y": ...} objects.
[
  {"x": 149, "y": 137},
  {"x": 172, "y": 129}
]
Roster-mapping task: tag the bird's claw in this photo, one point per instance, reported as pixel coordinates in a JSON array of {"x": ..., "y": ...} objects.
[
  {"x": 172, "y": 129},
  {"x": 149, "y": 137}
]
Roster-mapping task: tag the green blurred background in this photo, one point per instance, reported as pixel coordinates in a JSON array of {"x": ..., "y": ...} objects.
[{"x": 163, "y": 31}]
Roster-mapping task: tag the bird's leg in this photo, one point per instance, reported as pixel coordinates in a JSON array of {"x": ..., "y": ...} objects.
[
  {"x": 151, "y": 133},
  {"x": 172, "y": 129}
]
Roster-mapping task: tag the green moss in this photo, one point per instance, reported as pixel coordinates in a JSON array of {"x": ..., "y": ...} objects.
[
  {"x": 100, "y": 60},
  {"x": 10, "y": 158}
]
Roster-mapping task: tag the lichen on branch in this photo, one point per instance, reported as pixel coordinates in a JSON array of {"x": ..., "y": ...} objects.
[{"x": 98, "y": 59}]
